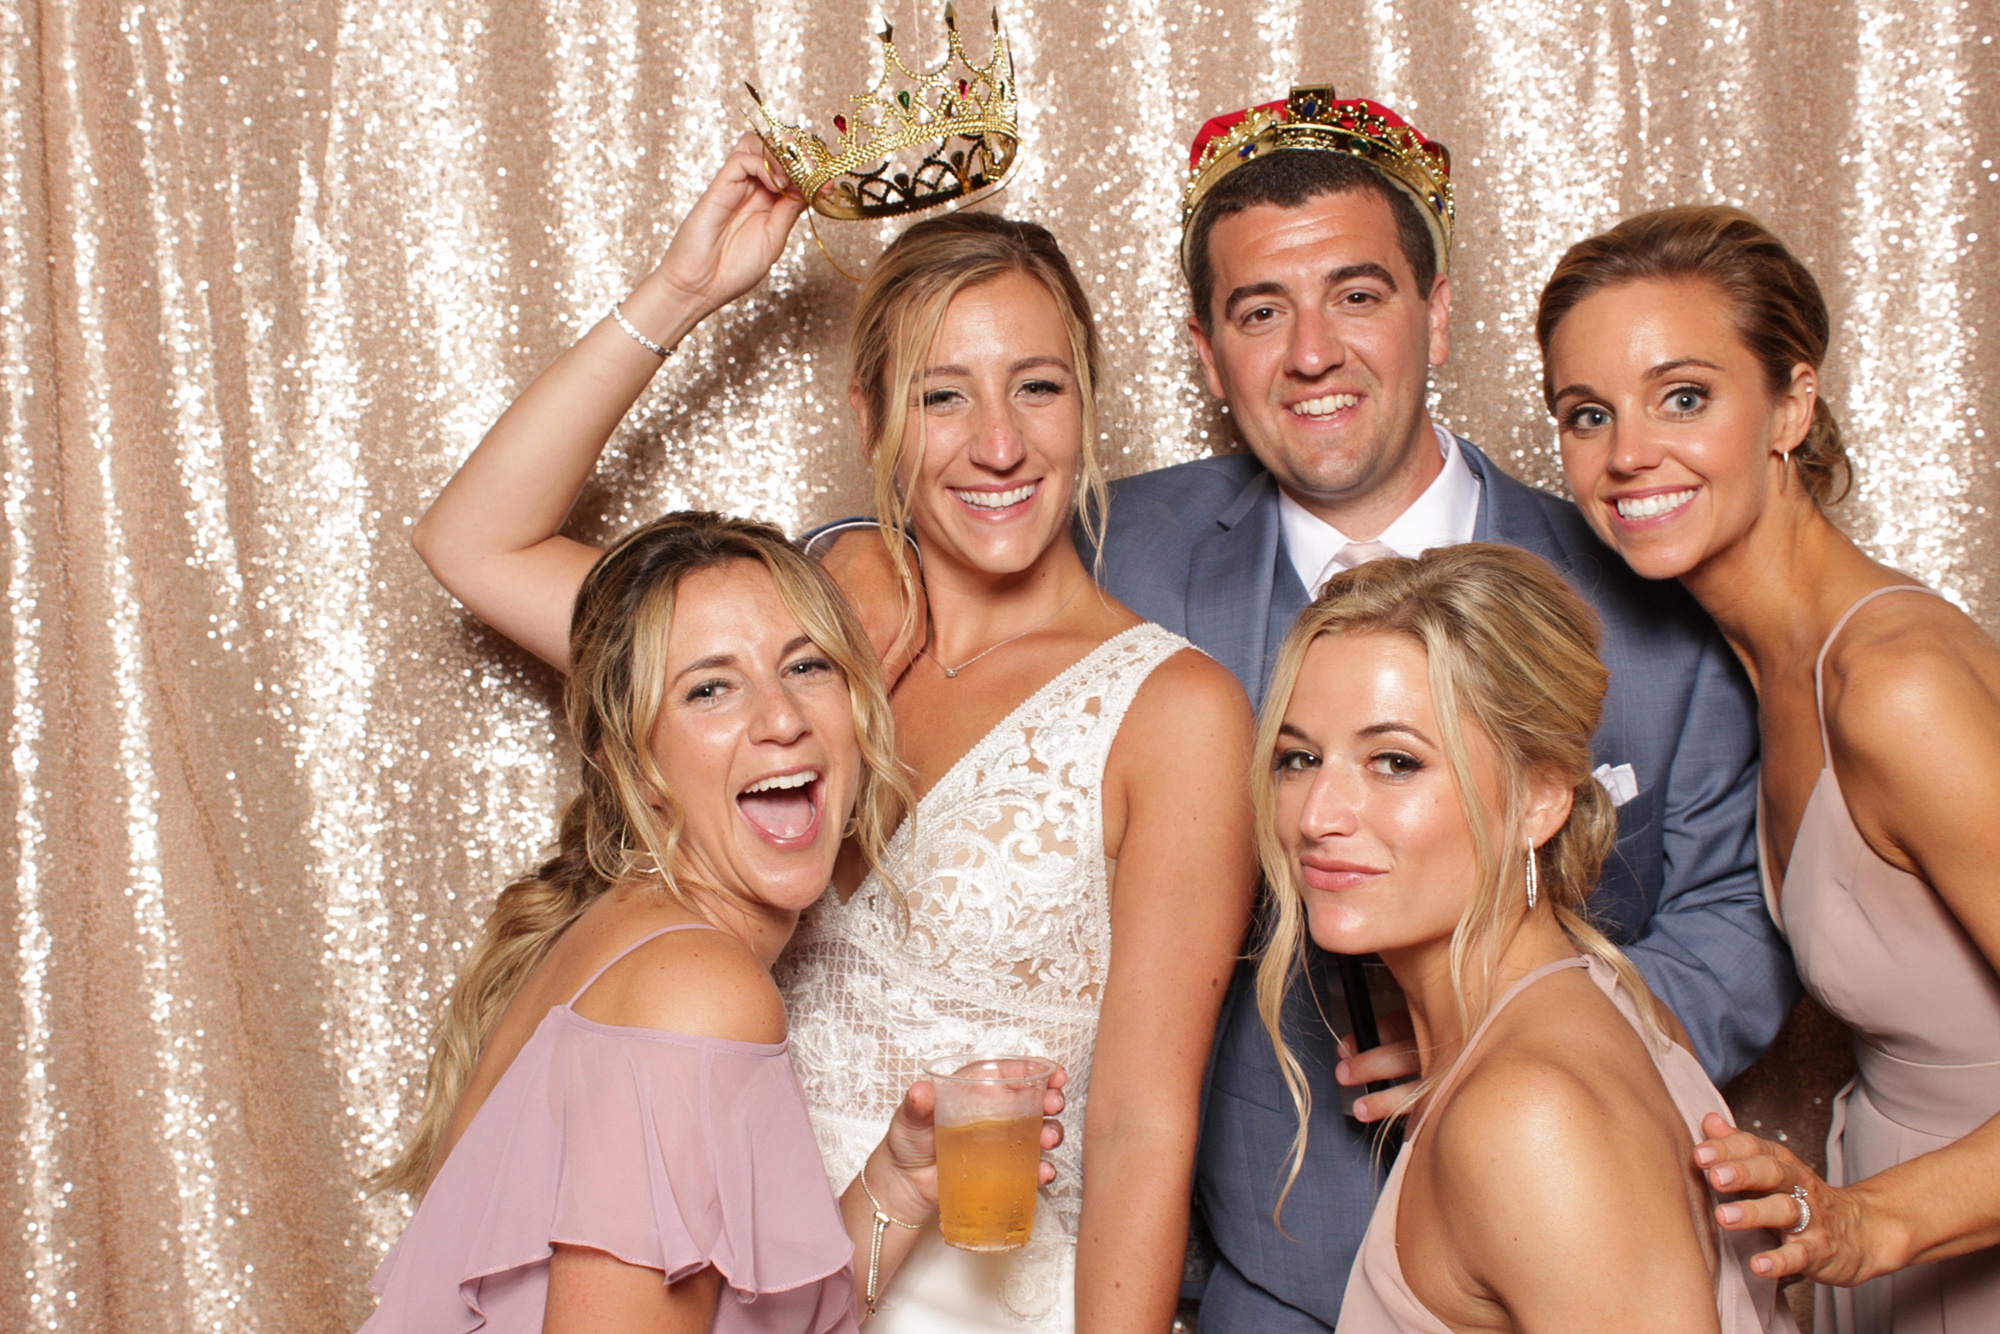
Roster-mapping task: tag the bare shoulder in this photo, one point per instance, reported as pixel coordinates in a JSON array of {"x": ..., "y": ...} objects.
[
  {"x": 1559, "y": 1186},
  {"x": 1910, "y": 669},
  {"x": 1191, "y": 689},
  {"x": 703, "y": 983},
  {"x": 1555, "y": 1104},
  {"x": 1189, "y": 721},
  {"x": 1522, "y": 1101}
]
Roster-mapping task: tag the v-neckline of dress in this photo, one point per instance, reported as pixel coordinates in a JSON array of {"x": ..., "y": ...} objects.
[{"x": 1034, "y": 698}]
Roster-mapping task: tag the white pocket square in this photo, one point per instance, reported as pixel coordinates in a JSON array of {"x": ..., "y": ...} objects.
[{"x": 1618, "y": 780}]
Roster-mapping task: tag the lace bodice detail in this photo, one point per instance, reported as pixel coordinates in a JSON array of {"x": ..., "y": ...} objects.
[{"x": 995, "y": 935}]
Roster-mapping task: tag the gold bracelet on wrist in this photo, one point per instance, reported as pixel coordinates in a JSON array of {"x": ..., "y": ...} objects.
[{"x": 873, "y": 1293}]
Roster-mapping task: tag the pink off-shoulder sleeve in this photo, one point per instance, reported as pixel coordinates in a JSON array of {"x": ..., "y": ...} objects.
[{"x": 665, "y": 1151}]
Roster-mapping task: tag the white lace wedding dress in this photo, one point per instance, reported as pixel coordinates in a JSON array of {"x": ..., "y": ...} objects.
[{"x": 995, "y": 936}]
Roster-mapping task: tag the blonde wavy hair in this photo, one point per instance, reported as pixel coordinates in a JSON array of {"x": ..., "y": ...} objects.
[
  {"x": 611, "y": 832},
  {"x": 901, "y": 310},
  {"x": 1512, "y": 652}
]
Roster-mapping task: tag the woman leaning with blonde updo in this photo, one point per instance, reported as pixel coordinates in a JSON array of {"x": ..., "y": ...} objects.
[{"x": 1426, "y": 794}]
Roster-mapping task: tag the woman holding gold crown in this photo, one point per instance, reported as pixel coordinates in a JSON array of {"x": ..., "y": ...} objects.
[
  {"x": 1075, "y": 877},
  {"x": 1426, "y": 794}
]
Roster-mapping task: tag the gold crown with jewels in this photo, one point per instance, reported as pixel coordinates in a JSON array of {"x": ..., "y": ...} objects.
[
  {"x": 965, "y": 117},
  {"x": 1314, "y": 120}
]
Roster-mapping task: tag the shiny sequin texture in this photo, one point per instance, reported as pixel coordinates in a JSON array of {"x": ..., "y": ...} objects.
[{"x": 267, "y": 273}]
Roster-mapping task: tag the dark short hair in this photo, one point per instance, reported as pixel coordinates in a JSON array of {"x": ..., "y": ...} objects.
[{"x": 1289, "y": 179}]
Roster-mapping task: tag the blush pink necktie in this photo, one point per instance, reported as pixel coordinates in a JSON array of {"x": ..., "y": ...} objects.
[{"x": 1360, "y": 553}]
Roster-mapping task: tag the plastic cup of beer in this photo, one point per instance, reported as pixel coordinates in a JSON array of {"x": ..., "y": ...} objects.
[{"x": 989, "y": 1147}]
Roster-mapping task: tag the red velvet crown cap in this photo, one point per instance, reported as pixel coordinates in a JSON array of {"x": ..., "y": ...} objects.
[
  {"x": 1312, "y": 119},
  {"x": 1216, "y": 125}
]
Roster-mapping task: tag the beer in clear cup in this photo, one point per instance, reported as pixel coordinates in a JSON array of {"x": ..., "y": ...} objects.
[{"x": 989, "y": 1147}]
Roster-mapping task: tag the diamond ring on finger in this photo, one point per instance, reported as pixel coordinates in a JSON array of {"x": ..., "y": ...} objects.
[{"x": 1805, "y": 1210}]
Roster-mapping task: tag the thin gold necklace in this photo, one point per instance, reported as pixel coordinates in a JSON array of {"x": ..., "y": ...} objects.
[{"x": 952, "y": 672}]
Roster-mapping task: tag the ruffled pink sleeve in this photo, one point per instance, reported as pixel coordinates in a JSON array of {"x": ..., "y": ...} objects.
[{"x": 665, "y": 1151}]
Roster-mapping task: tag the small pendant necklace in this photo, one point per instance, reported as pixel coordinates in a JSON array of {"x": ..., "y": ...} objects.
[{"x": 952, "y": 672}]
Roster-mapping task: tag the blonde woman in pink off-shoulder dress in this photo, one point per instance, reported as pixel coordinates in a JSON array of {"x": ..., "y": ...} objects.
[
  {"x": 1682, "y": 353},
  {"x": 613, "y": 1138},
  {"x": 1427, "y": 795}
]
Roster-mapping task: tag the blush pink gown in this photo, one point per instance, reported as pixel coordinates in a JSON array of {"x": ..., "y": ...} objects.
[
  {"x": 1380, "y": 1300},
  {"x": 1879, "y": 949},
  {"x": 666, "y": 1150}
]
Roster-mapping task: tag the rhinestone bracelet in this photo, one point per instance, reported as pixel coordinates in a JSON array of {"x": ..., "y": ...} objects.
[{"x": 637, "y": 337}]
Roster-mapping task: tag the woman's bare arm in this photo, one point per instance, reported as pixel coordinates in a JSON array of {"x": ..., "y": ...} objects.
[
  {"x": 1915, "y": 728},
  {"x": 593, "y": 1292},
  {"x": 492, "y": 537},
  {"x": 1179, "y": 906}
]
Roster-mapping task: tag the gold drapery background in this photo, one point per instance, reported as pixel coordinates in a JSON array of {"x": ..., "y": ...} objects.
[{"x": 267, "y": 272}]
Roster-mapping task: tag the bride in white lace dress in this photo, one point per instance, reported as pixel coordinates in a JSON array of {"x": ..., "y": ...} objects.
[{"x": 1076, "y": 876}]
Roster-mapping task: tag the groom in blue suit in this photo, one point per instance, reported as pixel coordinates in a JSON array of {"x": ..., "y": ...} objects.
[{"x": 1316, "y": 238}]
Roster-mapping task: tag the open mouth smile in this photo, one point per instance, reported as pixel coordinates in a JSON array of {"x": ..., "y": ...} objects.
[
  {"x": 1326, "y": 405},
  {"x": 996, "y": 503},
  {"x": 784, "y": 808},
  {"x": 1637, "y": 509}
]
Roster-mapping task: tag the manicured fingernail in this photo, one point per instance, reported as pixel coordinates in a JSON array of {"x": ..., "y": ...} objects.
[
  {"x": 1723, "y": 1177},
  {"x": 1729, "y": 1213},
  {"x": 1341, "y": 1073},
  {"x": 1361, "y": 1109},
  {"x": 1704, "y": 1155},
  {"x": 1762, "y": 1264}
]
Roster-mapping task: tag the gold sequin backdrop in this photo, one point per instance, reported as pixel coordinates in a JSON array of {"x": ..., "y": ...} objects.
[{"x": 267, "y": 271}]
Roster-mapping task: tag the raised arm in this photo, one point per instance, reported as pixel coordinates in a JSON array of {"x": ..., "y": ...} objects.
[
  {"x": 1180, "y": 904},
  {"x": 1710, "y": 951},
  {"x": 492, "y": 537}
]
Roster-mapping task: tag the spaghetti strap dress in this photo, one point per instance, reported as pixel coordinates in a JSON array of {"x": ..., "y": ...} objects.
[
  {"x": 1380, "y": 1300},
  {"x": 1878, "y": 948},
  {"x": 667, "y": 1150}
]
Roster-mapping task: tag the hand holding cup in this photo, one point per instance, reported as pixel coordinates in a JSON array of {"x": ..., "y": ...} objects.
[{"x": 992, "y": 1122}]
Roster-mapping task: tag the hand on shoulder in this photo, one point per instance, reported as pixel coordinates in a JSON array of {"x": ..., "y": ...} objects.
[{"x": 704, "y": 983}]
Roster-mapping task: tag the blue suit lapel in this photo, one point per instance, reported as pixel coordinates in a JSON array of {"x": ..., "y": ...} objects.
[
  {"x": 1242, "y": 594},
  {"x": 1508, "y": 510}
]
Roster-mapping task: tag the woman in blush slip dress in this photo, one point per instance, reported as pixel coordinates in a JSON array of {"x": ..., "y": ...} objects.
[
  {"x": 1075, "y": 877},
  {"x": 1681, "y": 353},
  {"x": 611, "y": 1133},
  {"x": 1428, "y": 796}
]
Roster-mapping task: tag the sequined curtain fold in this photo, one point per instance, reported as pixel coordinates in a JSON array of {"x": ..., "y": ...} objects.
[{"x": 267, "y": 272}]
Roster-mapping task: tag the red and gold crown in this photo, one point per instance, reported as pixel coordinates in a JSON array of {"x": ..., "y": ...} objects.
[
  {"x": 965, "y": 118},
  {"x": 1312, "y": 119}
]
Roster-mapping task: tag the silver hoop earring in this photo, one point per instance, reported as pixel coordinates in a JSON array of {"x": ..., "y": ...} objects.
[{"x": 1534, "y": 879}]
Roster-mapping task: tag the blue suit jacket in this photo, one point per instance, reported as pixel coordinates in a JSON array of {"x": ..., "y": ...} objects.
[{"x": 1199, "y": 549}]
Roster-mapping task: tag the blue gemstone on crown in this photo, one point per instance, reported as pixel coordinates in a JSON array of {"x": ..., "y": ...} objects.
[{"x": 1247, "y": 151}]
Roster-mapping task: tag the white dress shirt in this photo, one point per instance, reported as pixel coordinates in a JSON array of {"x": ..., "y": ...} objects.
[{"x": 1444, "y": 515}]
